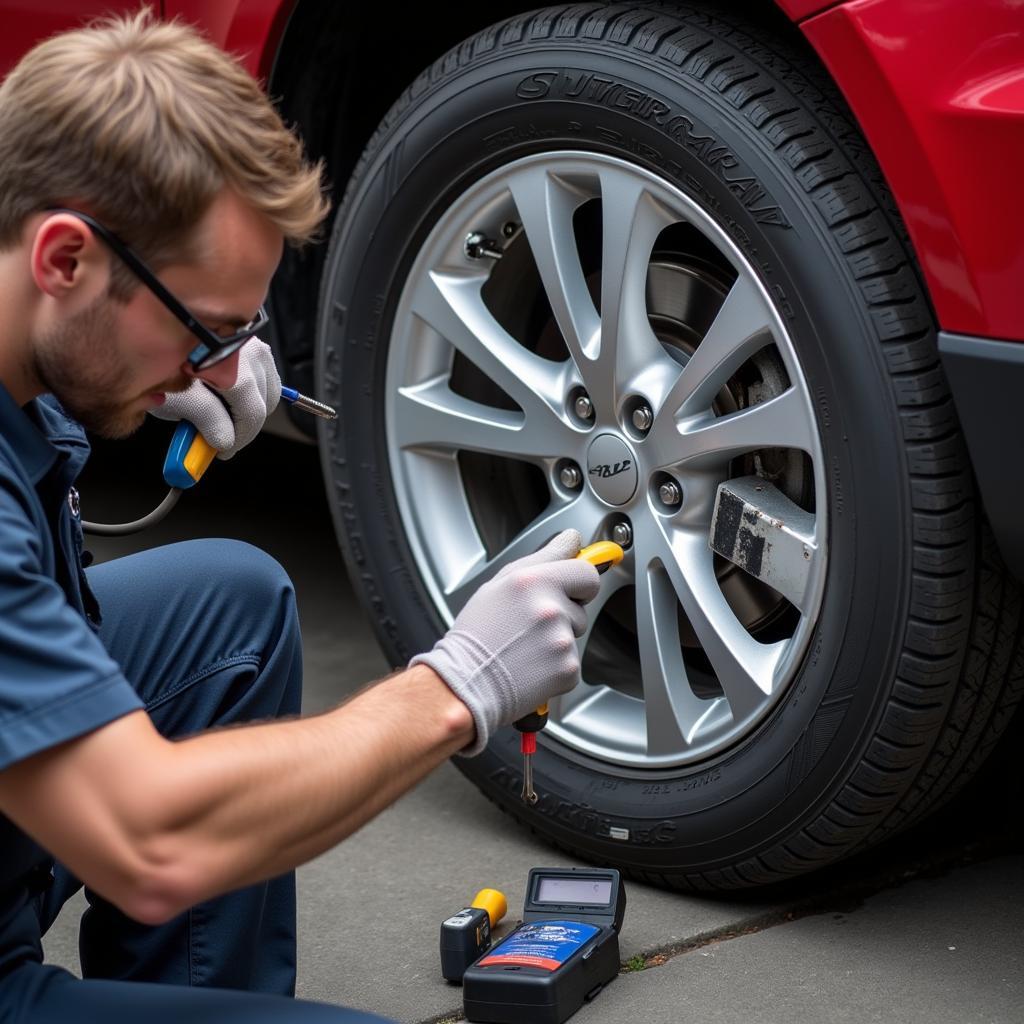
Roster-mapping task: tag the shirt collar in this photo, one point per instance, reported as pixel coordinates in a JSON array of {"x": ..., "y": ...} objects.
[{"x": 30, "y": 445}]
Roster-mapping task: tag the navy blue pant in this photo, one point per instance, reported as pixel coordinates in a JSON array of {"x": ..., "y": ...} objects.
[{"x": 207, "y": 632}]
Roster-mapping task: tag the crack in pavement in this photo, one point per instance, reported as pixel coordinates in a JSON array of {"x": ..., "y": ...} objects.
[{"x": 846, "y": 897}]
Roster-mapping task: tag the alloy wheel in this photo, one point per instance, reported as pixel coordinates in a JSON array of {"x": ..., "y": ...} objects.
[{"x": 576, "y": 338}]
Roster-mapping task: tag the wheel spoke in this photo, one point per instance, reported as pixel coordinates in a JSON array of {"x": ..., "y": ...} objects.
[
  {"x": 631, "y": 222},
  {"x": 565, "y": 704},
  {"x": 741, "y": 327},
  {"x": 745, "y": 668},
  {"x": 611, "y": 582},
  {"x": 780, "y": 422},
  {"x": 580, "y": 514},
  {"x": 546, "y": 204},
  {"x": 580, "y": 698},
  {"x": 432, "y": 416},
  {"x": 673, "y": 711},
  {"x": 699, "y": 506},
  {"x": 452, "y": 305}
]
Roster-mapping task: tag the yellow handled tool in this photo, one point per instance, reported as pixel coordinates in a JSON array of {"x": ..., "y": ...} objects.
[
  {"x": 466, "y": 936},
  {"x": 603, "y": 554}
]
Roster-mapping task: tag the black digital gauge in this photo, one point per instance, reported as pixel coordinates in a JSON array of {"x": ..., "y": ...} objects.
[{"x": 562, "y": 955}]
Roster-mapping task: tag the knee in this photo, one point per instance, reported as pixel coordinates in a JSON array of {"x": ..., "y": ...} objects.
[
  {"x": 254, "y": 586},
  {"x": 234, "y": 565}
]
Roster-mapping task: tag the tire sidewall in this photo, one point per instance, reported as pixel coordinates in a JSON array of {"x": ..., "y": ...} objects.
[{"x": 504, "y": 108}]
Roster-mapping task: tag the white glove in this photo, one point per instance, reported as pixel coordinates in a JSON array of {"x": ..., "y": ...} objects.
[
  {"x": 229, "y": 418},
  {"x": 514, "y": 644}
]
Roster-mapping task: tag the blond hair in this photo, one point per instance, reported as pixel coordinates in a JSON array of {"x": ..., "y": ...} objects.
[{"x": 142, "y": 123}]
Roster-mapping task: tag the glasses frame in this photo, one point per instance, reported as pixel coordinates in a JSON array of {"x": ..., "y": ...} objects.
[{"x": 212, "y": 348}]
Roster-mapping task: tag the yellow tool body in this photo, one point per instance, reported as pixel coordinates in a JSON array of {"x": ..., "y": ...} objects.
[
  {"x": 602, "y": 554},
  {"x": 199, "y": 457},
  {"x": 494, "y": 902}
]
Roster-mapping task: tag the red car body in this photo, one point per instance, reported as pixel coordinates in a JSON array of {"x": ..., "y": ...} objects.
[
  {"x": 938, "y": 89},
  {"x": 937, "y": 86}
]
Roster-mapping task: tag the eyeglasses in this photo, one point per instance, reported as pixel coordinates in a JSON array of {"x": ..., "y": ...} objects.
[{"x": 212, "y": 348}]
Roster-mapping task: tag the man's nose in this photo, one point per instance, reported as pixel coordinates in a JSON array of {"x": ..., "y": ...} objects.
[{"x": 221, "y": 375}]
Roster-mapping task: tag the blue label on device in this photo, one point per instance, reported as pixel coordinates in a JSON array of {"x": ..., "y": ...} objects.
[{"x": 546, "y": 944}]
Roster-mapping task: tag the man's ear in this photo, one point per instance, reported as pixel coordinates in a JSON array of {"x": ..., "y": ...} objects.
[{"x": 68, "y": 262}]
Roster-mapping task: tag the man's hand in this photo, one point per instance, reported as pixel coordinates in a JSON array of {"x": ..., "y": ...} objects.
[
  {"x": 514, "y": 644},
  {"x": 229, "y": 413}
]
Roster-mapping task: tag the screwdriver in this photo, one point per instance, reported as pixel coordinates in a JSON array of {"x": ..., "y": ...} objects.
[
  {"x": 190, "y": 454},
  {"x": 301, "y": 401},
  {"x": 603, "y": 554},
  {"x": 188, "y": 458}
]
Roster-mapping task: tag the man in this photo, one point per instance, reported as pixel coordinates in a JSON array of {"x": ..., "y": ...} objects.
[{"x": 145, "y": 174}]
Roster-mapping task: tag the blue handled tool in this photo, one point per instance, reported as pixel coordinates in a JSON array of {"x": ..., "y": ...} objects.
[
  {"x": 300, "y": 401},
  {"x": 188, "y": 458},
  {"x": 190, "y": 455}
]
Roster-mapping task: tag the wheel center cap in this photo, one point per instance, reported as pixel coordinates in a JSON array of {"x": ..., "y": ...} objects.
[{"x": 611, "y": 469}]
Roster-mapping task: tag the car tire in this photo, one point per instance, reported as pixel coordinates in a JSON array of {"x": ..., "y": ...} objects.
[{"x": 904, "y": 663}]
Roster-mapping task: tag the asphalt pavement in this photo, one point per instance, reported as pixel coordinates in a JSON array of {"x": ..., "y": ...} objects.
[{"x": 929, "y": 928}]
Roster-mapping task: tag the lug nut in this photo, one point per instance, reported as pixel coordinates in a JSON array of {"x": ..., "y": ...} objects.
[
  {"x": 584, "y": 408},
  {"x": 571, "y": 477},
  {"x": 643, "y": 418},
  {"x": 670, "y": 494},
  {"x": 509, "y": 229},
  {"x": 622, "y": 534}
]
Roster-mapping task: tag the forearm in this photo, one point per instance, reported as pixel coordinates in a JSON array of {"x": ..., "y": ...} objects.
[
  {"x": 156, "y": 826},
  {"x": 259, "y": 800}
]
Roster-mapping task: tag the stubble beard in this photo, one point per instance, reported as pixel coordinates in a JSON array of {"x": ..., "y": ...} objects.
[{"x": 78, "y": 363}]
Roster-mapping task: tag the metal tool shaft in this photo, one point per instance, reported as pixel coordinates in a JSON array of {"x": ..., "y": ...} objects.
[
  {"x": 312, "y": 405},
  {"x": 529, "y": 794}
]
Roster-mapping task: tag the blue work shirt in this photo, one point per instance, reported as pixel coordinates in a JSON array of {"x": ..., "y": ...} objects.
[{"x": 57, "y": 680}]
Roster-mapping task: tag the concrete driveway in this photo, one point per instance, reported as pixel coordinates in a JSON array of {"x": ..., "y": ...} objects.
[{"x": 929, "y": 929}]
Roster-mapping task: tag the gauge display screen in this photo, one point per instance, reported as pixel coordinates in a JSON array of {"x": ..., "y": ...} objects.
[{"x": 597, "y": 891}]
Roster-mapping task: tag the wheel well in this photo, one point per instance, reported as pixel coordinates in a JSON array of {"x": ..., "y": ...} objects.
[{"x": 338, "y": 70}]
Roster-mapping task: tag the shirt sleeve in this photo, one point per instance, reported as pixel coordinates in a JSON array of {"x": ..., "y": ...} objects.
[{"x": 57, "y": 680}]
